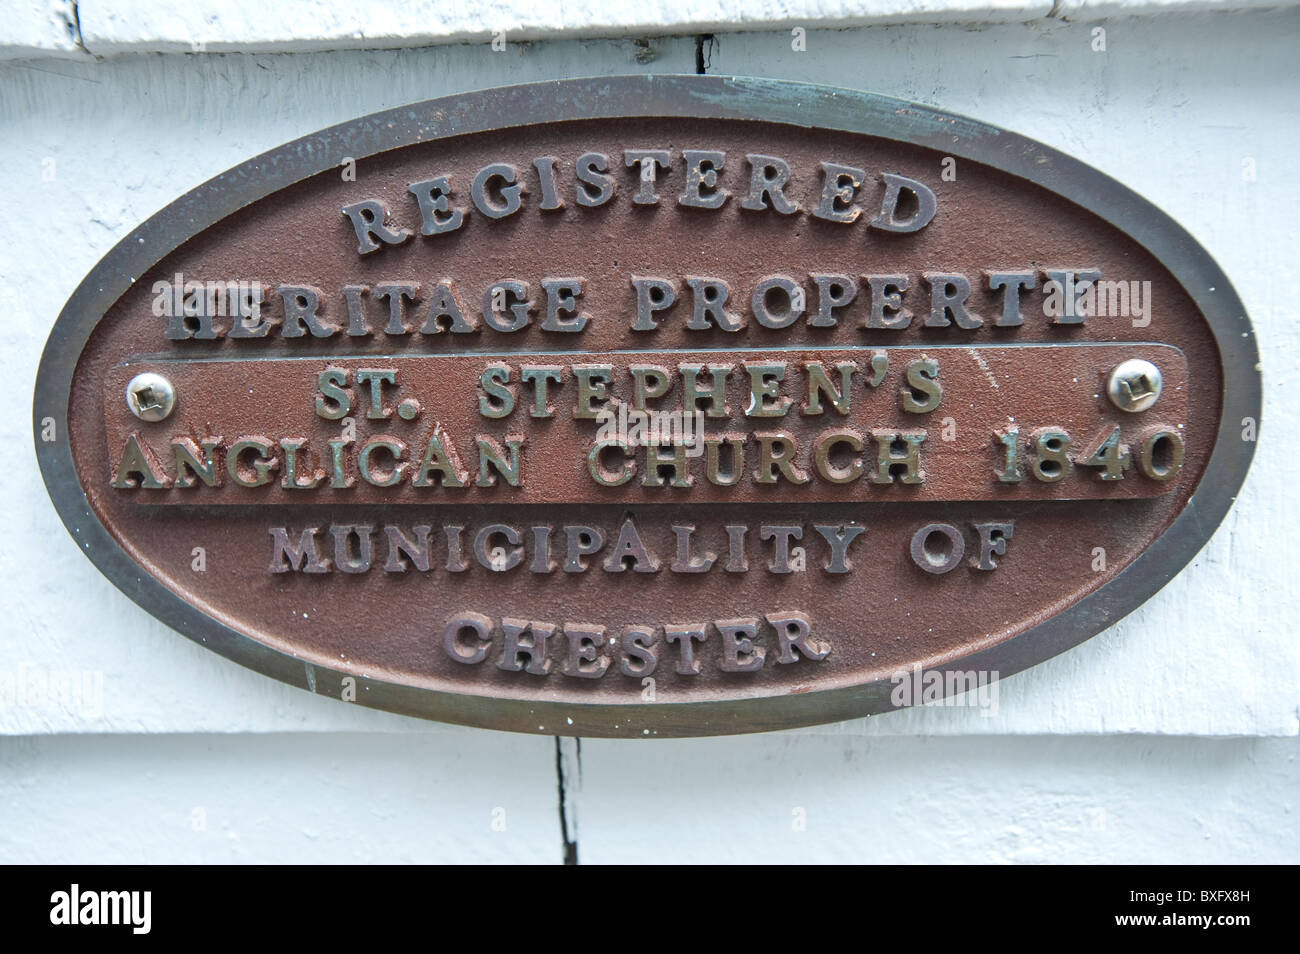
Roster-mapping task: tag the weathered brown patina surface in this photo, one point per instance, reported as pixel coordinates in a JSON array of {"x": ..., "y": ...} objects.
[{"x": 440, "y": 529}]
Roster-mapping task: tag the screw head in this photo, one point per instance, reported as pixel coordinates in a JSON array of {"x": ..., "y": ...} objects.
[
  {"x": 1134, "y": 385},
  {"x": 150, "y": 396}
]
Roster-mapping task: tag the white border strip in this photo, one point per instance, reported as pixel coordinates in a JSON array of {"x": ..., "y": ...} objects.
[{"x": 72, "y": 28}]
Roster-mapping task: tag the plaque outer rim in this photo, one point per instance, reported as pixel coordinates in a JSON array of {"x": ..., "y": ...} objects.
[{"x": 682, "y": 96}]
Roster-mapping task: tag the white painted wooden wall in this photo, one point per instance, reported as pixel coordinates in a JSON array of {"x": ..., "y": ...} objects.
[{"x": 1170, "y": 737}]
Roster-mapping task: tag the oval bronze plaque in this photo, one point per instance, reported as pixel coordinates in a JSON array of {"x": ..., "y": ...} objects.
[{"x": 667, "y": 405}]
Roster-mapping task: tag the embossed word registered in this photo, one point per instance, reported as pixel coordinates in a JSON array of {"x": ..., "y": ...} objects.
[{"x": 652, "y": 406}]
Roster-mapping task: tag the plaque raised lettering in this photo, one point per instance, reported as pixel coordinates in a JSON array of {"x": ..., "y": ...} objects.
[{"x": 649, "y": 406}]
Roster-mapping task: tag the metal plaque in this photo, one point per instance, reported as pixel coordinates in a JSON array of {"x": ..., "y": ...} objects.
[{"x": 671, "y": 405}]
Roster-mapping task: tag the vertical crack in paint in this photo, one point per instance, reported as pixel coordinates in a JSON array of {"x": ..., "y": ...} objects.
[
  {"x": 72, "y": 19},
  {"x": 565, "y": 779},
  {"x": 701, "y": 63}
]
